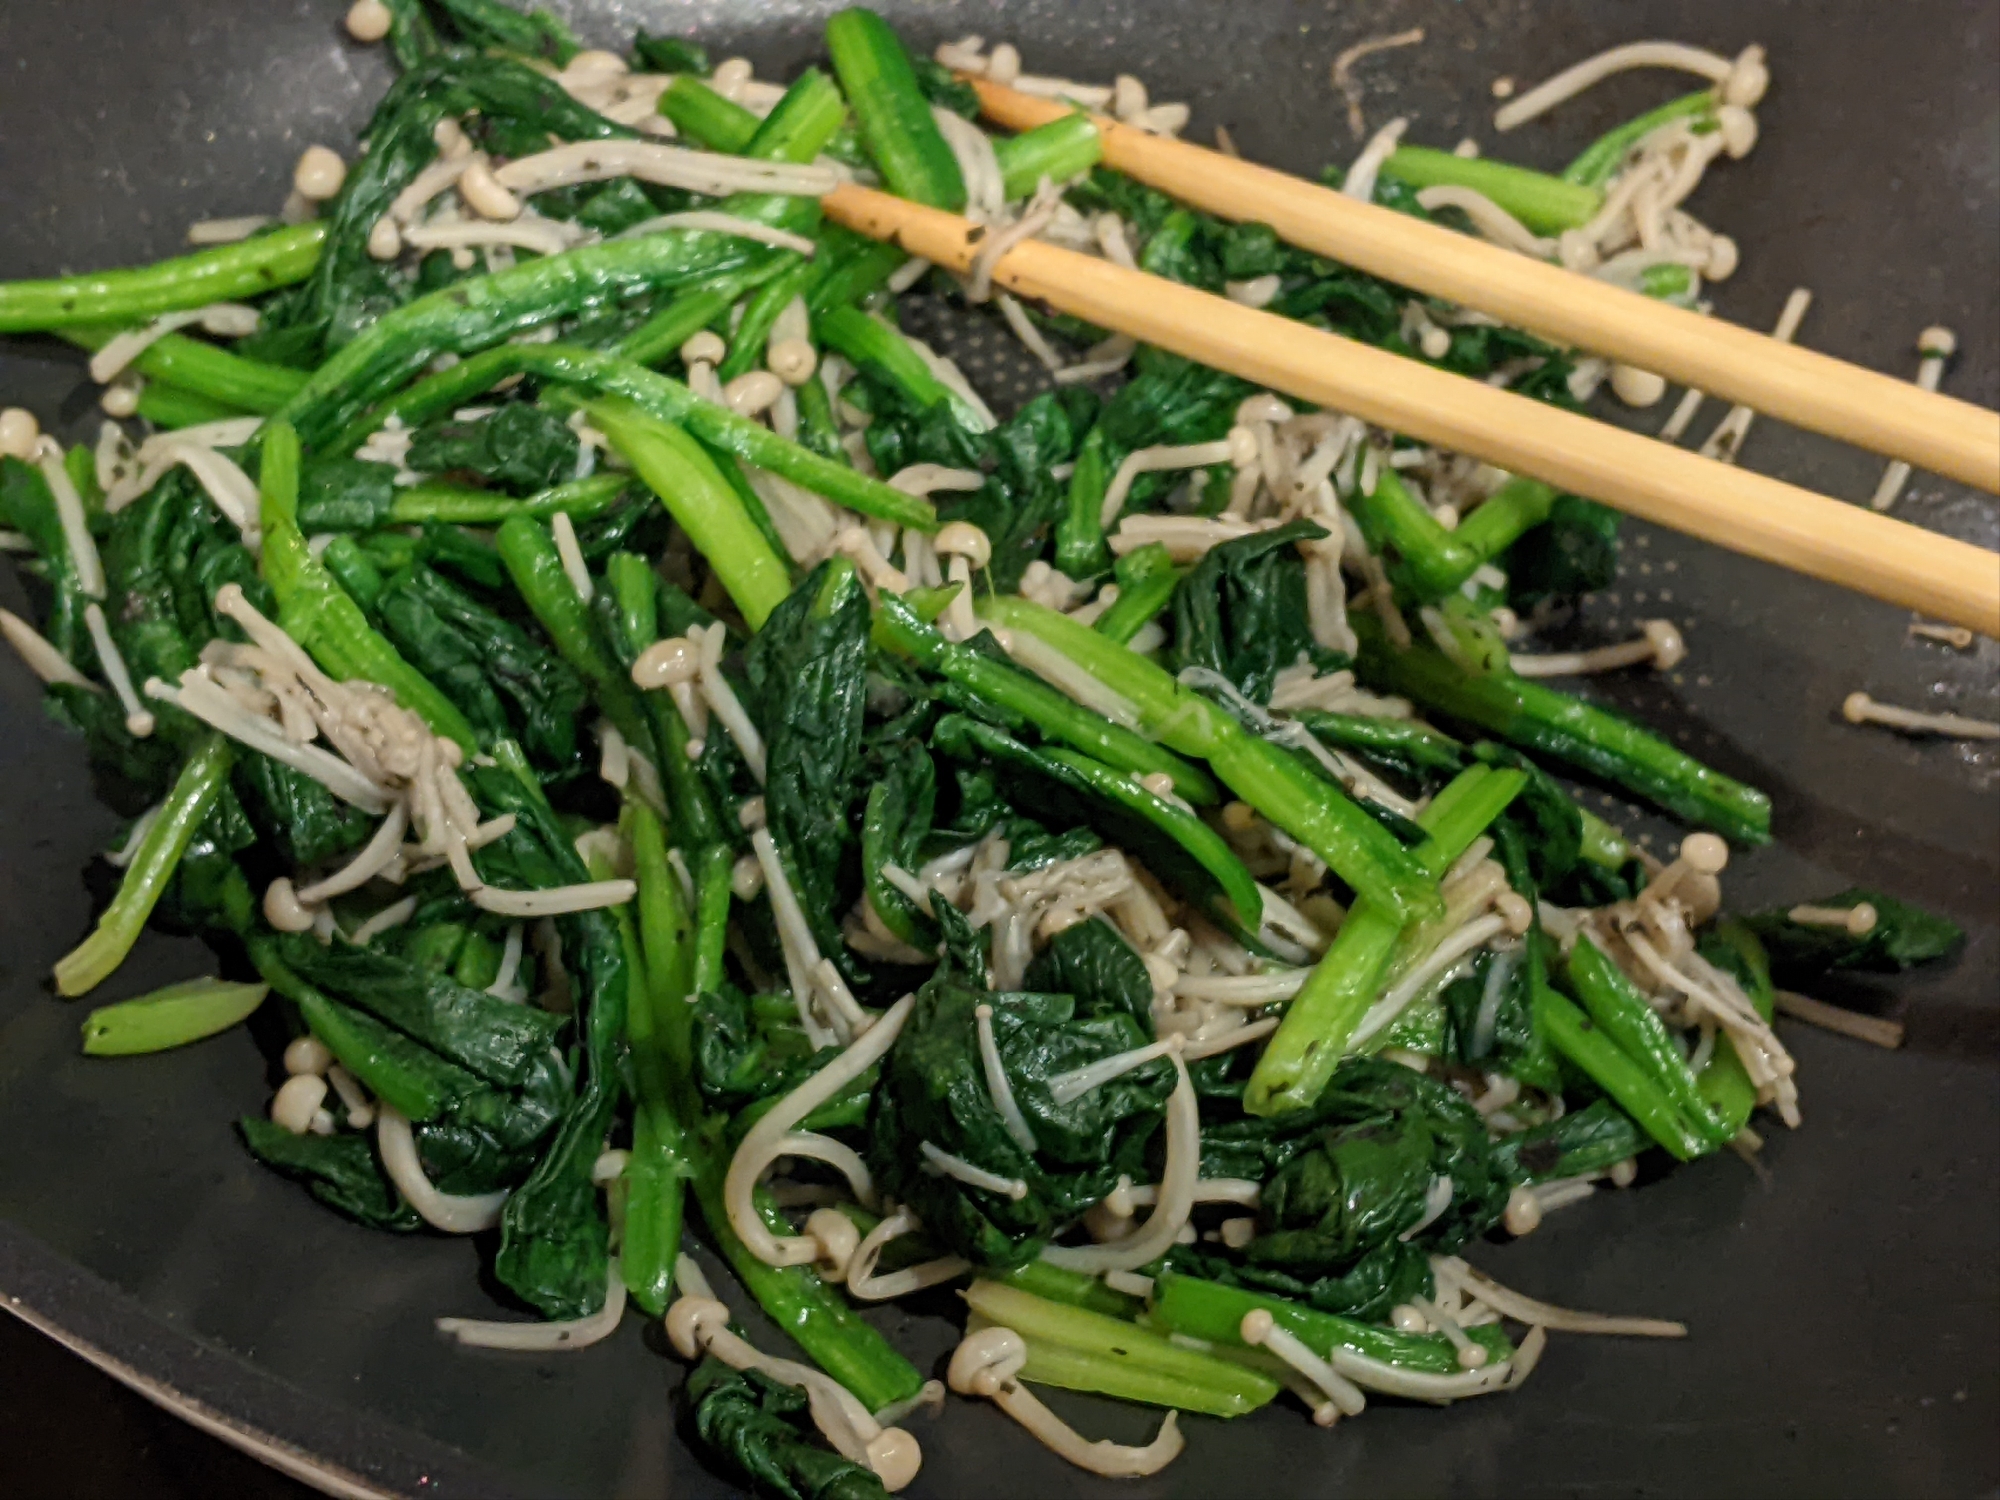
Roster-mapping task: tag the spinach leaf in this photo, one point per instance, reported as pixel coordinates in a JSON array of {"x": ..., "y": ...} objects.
[
  {"x": 495, "y": 1038},
  {"x": 1499, "y": 991},
  {"x": 304, "y": 821},
  {"x": 1344, "y": 1180},
  {"x": 749, "y": 1047},
  {"x": 807, "y": 676},
  {"x": 945, "y": 88},
  {"x": 488, "y": 24},
  {"x": 759, "y": 1430},
  {"x": 1020, "y": 500},
  {"x": 1903, "y": 937},
  {"x": 554, "y": 1240},
  {"x": 934, "y": 1090},
  {"x": 489, "y": 1139},
  {"x": 506, "y": 104},
  {"x": 27, "y": 506},
  {"x": 1093, "y": 963},
  {"x": 893, "y": 830},
  {"x": 1415, "y": 754},
  {"x": 346, "y": 494},
  {"x": 140, "y": 602},
  {"x": 339, "y": 1170},
  {"x": 520, "y": 447},
  {"x": 668, "y": 54},
  {"x": 1590, "y": 1139},
  {"x": 147, "y": 767},
  {"x": 1573, "y": 553},
  {"x": 499, "y": 676},
  {"x": 1241, "y": 610}
]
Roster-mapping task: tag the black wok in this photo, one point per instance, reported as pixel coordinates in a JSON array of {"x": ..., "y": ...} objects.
[{"x": 1846, "y": 1337}]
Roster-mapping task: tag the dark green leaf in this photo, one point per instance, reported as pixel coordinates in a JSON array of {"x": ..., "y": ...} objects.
[
  {"x": 497, "y": 1039},
  {"x": 339, "y": 1170},
  {"x": 497, "y": 674},
  {"x": 1093, "y": 964},
  {"x": 520, "y": 447},
  {"x": 807, "y": 676},
  {"x": 346, "y": 494},
  {"x": 1241, "y": 610},
  {"x": 1574, "y": 552},
  {"x": 759, "y": 1430},
  {"x": 1903, "y": 937},
  {"x": 1587, "y": 1140}
]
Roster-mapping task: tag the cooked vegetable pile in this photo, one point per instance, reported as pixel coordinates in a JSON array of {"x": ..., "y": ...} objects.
[{"x": 662, "y": 744}]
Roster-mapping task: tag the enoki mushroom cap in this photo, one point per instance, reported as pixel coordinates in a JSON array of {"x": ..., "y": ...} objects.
[
  {"x": 1707, "y": 853},
  {"x": 1669, "y": 649},
  {"x": 693, "y": 1321},
  {"x": 895, "y": 1457},
  {"x": 985, "y": 1361},
  {"x": 838, "y": 1240},
  {"x": 963, "y": 539},
  {"x": 704, "y": 348}
]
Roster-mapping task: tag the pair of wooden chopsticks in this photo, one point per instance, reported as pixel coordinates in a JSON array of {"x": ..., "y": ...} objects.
[{"x": 1764, "y": 518}]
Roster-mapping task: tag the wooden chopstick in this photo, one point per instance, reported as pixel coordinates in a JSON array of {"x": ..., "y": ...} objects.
[
  {"x": 1765, "y": 518},
  {"x": 1892, "y": 417}
]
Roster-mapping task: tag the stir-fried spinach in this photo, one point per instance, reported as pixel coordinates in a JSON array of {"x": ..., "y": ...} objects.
[
  {"x": 1241, "y": 610},
  {"x": 520, "y": 447},
  {"x": 807, "y": 674},
  {"x": 760, "y": 1430},
  {"x": 1348, "y": 1179},
  {"x": 934, "y": 1091}
]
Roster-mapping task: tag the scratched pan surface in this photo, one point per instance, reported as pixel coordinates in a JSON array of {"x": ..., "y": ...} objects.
[{"x": 1843, "y": 1311}]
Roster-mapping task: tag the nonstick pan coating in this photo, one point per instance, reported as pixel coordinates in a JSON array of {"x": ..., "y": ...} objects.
[{"x": 1845, "y": 1336}]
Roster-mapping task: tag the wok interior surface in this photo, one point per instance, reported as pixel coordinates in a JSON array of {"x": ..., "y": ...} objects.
[{"x": 1843, "y": 1308}]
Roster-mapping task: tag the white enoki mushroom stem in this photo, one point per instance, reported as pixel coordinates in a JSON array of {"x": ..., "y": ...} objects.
[
  {"x": 723, "y": 702},
  {"x": 1727, "y": 440},
  {"x": 572, "y": 1333},
  {"x": 376, "y": 855},
  {"x": 865, "y": 1286},
  {"x": 69, "y": 513},
  {"x": 1471, "y": 1356},
  {"x": 1468, "y": 939},
  {"x": 452, "y": 1213},
  {"x": 1238, "y": 448},
  {"x": 1492, "y": 221},
  {"x": 1858, "y": 920},
  {"x": 1359, "y": 182},
  {"x": 741, "y": 1181},
  {"x": 1958, "y": 637},
  {"x": 698, "y": 1325},
  {"x": 1176, "y": 1197},
  {"x": 40, "y": 656},
  {"x": 1064, "y": 1088},
  {"x": 1344, "y": 1398},
  {"x": 1859, "y": 708},
  {"x": 1875, "y": 1030},
  {"x": 570, "y": 551},
  {"x": 1661, "y": 647},
  {"x": 986, "y": 1364},
  {"x": 942, "y": 1163},
  {"x": 1741, "y": 77},
  {"x": 1525, "y": 1309},
  {"x": 705, "y": 172},
  {"x": 997, "y": 1087},
  {"x": 1935, "y": 346},
  {"x": 1343, "y": 71}
]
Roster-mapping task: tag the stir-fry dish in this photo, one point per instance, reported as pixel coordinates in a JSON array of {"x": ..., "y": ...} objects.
[{"x": 668, "y": 753}]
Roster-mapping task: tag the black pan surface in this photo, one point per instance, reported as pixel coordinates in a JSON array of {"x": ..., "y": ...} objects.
[{"x": 1846, "y": 1333}]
